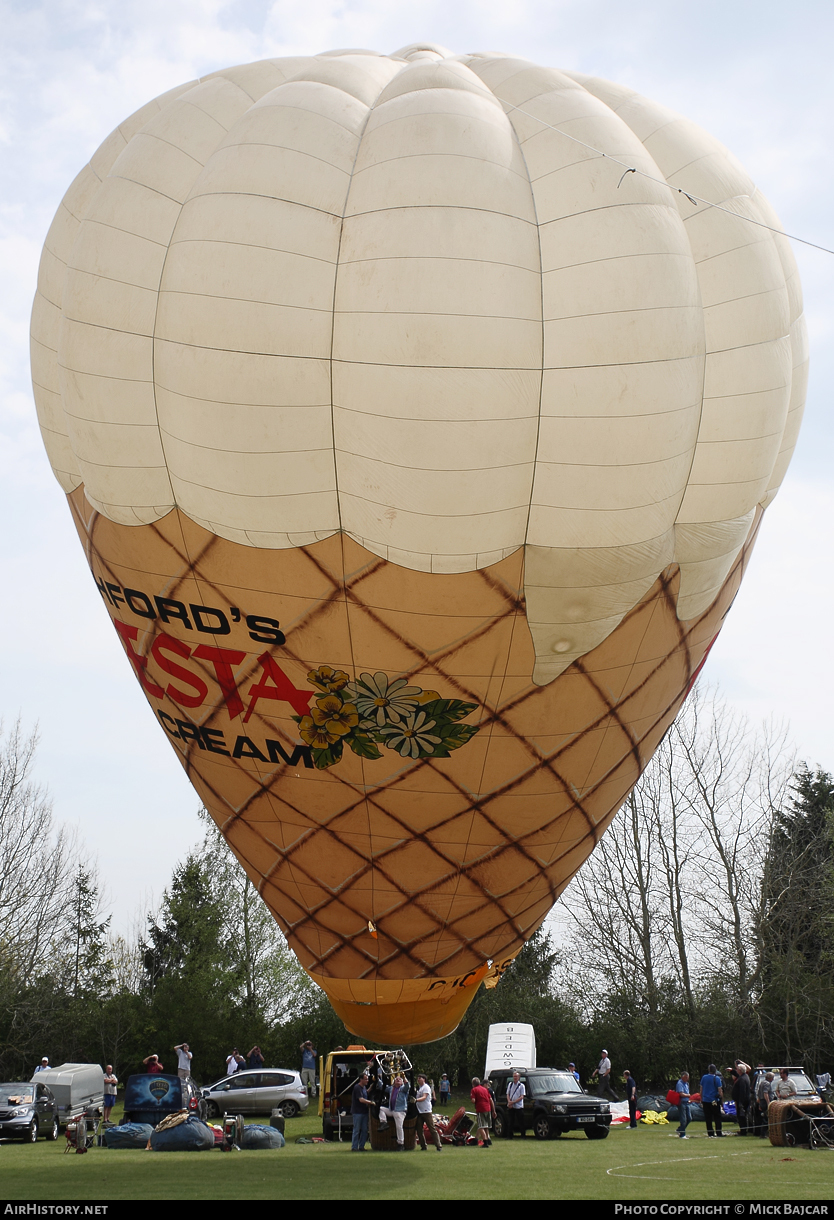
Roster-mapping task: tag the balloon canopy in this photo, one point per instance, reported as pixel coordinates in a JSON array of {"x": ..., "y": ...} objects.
[{"x": 417, "y": 447}]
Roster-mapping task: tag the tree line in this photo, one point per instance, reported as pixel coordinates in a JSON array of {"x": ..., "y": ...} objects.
[{"x": 698, "y": 931}]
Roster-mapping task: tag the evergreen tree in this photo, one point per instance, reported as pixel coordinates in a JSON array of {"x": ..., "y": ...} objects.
[
  {"x": 91, "y": 966},
  {"x": 796, "y": 1006}
]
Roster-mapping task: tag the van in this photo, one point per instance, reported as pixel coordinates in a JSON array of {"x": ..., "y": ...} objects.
[{"x": 339, "y": 1072}]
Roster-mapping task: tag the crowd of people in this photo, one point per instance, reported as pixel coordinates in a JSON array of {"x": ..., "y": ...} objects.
[
  {"x": 751, "y": 1092},
  {"x": 392, "y": 1109}
]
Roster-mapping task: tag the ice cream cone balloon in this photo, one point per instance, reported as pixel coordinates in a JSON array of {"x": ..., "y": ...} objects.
[{"x": 416, "y": 447}]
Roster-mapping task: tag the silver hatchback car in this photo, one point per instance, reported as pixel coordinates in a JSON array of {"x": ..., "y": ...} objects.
[{"x": 257, "y": 1092}]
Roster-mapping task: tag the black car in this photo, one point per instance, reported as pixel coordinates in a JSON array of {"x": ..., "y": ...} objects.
[
  {"x": 28, "y": 1110},
  {"x": 554, "y": 1102}
]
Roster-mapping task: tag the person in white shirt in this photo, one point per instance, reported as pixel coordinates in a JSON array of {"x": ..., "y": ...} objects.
[
  {"x": 516, "y": 1092},
  {"x": 43, "y": 1066},
  {"x": 604, "y": 1074},
  {"x": 784, "y": 1087},
  {"x": 110, "y": 1086},
  {"x": 234, "y": 1063},
  {"x": 424, "y": 1114},
  {"x": 184, "y": 1058}
]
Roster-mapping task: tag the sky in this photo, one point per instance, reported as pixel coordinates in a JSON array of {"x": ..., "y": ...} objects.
[{"x": 755, "y": 74}]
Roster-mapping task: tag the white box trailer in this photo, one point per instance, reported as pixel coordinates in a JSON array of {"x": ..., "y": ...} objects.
[
  {"x": 75, "y": 1087},
  {"x": 510, "y": 1046}
]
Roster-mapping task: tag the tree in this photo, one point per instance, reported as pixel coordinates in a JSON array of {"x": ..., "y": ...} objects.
[
  {"x": 92, "y": 968},
  {"x": 797, "y": 1004},
  {"x": 667, "y": 916},
  {"x": 274, "y": 984},
  {"x": 36, "y": 862}
]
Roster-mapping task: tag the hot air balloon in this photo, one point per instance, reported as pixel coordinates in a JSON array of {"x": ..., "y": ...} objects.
[{"x": 417, "y": 427}]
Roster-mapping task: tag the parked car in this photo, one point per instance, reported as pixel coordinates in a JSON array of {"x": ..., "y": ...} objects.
[
  {"x": 28, "y": 1110},
  {"x": 554, "y": 1103},
  {"x": 257, "y": 1092},
  {"x": 76, "y": 1087},
  {"x": 150, "y": 1097},
  {"x": 805, "y": 1089}
]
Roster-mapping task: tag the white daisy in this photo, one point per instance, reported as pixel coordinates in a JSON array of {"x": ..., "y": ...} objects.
[{"x": 380, "y": 702}]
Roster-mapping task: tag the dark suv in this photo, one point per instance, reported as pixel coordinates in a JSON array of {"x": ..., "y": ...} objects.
[{"x": 554, "y": 1102}]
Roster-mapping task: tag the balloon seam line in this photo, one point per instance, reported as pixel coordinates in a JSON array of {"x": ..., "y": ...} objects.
[{"x": 693, "y": 199}]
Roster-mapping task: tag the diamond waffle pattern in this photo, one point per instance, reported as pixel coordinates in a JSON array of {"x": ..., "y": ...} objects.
[{"x": 456, "y": 861}]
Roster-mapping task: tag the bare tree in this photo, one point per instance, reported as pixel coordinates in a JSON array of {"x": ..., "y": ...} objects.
[
  {"x": 37, "y": 860},
  {"x": 730, "y": 785},
  {"x": 672, "y": 898}
]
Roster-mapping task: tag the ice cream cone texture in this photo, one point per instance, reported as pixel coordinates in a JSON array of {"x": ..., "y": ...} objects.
[{"x": 417, "y": 448}]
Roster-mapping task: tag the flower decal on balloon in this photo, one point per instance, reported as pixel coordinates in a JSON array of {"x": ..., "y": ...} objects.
[
  {"x": 376, "y": 711},
  {"x": 381, "y": 702}
]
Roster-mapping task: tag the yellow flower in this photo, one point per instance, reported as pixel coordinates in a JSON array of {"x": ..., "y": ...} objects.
[
  {"x": 327, "y": 678},
  {"x": 334, "y": 716},
  {"x": 316, "y": 735}
]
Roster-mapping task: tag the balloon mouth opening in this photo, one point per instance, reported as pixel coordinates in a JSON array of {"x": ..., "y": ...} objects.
[{"x": 405, "y": 1021}]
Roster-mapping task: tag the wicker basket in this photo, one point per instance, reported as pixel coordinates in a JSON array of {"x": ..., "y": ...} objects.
[{"x": 786, "y": 1123}]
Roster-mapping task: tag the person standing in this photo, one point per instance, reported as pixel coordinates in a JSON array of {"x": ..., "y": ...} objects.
[
  {"x": 604, "y": 1074},
  {"x": 424, "y": 1114},
  {"x": 784, "y": 1087},
  {"x": 255, "y": 1059},
  {"x": 445, "y": 1090},
  {"x": 516, "y": 1092},
  {"x": 712, "y": 1096},
  {"x": 308, "y": 1067},
  {"x": 741, "y": 1096},
  {"x": 684, "y": 1105},
  {"x": 764, "y": 1096},
  {"x": 43, "y": 1066},
  {"x": 395, "y": 1108},
  {"x": 573, "y": 1072},
  {"x": 110, "y": 1085},
  {"x": 484, "y": 1108},
  {"x": 235, "y": 1062},
  {"x": 631, "y": 1098},
  {"x": 152, "y": 1065},
  {"x": 359, "y": 1109},
  {"x": 184, "y": 1058}
]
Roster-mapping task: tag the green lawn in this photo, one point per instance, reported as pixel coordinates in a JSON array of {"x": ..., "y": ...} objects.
[{"x": 649, "y": 1163}]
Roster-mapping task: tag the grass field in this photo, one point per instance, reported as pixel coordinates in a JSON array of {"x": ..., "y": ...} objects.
[{"x": 646, "y": 1164}]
